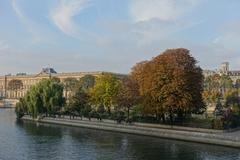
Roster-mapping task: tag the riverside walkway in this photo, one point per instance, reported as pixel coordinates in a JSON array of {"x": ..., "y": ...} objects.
[{"x": 208, "y": 136}]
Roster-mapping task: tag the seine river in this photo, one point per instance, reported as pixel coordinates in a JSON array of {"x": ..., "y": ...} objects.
[{"x": 31, "y": 141}]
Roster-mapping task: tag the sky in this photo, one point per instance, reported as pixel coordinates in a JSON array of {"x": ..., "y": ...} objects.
[{"x": 113, "y": 35}]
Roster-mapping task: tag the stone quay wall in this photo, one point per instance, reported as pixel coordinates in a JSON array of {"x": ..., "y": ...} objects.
[{"x": 207, "y": 136}]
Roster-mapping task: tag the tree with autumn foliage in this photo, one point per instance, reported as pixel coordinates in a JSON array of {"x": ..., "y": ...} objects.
[
  {"x": 170, "y": 84},
  {"x": 128, "y": 95},
  {"x": 141, "y": 73}
]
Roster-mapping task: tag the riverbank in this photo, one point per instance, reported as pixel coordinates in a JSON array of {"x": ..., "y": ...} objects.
[
  {"x": 8, "y": 103},
  {"x": 215, "y": 137}
]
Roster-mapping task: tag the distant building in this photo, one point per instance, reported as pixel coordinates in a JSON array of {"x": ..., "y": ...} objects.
[
  {"x": 224, "y": 69},
  {"x": 48, "y": 71},
  {"x": 207, "y": 73},
  {"x": 30, "y": 80},
  {"x": 21, "y": 74}
]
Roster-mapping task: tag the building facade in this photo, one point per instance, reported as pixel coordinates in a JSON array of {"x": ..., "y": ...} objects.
[
  {"x": 30, "y": 80},
  {"x": 224, "y": 69}
]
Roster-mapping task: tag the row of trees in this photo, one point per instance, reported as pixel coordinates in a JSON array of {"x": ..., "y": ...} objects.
[
  {"x": 221, "y": 88},
  {"x": 166, "y": 87},
  {"x": 221, "y": 92}
]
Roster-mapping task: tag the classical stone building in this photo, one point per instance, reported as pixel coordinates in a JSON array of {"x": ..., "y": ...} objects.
[
  {"x": 30, "y": 80},
  {"x": 224, "y": 69}
]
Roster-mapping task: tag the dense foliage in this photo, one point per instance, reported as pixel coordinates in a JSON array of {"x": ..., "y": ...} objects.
[
  {"x": 44, "y": 98},
  {"x": 167, "y": 88},
  {"x": 170, "y": 84},
  {"x": 79, "y": 101},
  {"x": 223, "y": 93},
  {"x": 105, "y": 91},
  {"x": 128, "y": 95}
]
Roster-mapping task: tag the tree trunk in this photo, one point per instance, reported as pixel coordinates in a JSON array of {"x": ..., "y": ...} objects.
[
  {"x": 128, "y": 112},
  {"x": 180, "y": 115},
  {"x": 109, "y": 110},
  {"x": 163, "y": 117},
  {"x": 171, "y": 118}
]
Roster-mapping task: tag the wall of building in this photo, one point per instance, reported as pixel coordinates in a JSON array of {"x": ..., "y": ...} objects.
[{"x": 30, "y": 80}]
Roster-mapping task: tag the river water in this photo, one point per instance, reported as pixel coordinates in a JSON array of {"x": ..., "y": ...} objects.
[{"x": 26, "y": 140}]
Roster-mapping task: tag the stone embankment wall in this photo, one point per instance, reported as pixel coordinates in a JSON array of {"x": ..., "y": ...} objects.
[{"x": 162, "y": 131}]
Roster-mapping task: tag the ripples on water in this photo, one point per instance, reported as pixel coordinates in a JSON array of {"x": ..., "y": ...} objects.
[{"x": 32, "y": 141}]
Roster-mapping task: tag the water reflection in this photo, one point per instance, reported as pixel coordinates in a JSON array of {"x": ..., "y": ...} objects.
[
  {"x": 37, "y": 129},
  {"x": 44, "y": 141}
]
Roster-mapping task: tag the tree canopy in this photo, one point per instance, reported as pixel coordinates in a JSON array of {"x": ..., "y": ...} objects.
[
  {"x": 170, "y": 83},
  {"x": 128, "y": 95},
  {"x": 87, "y": 82},
  {"x": 167, "y": 87},
  {"x": 105, "y": 91},
  {"x": 46, "y": 97}
]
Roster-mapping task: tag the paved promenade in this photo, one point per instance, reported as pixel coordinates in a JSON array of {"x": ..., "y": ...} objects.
[
  {"x": 216, "y": 137},
  {"x": 233, "y": 135}
]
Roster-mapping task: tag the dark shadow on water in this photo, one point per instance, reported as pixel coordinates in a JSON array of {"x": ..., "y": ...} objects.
[{"x": 38, "y": 129}]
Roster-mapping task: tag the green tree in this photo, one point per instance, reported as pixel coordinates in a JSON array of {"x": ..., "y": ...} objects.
[
  {"x": 52, "y": 95},
  {"x": 46, "y": 97},
  {"x": 79, "y": 102},
  {"x": 55, "y": 79},
  {"x": 105, "y": 91},
  {"x": 21, "y": 108},
  {"x": 87, "y": 82},
  {"x": 232, "y": 100}
]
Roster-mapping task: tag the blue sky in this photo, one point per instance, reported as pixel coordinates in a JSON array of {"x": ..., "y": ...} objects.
[{"x": 113, "y": 35}]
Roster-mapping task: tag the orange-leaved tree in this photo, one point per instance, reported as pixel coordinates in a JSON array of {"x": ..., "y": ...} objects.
[
  {"x": 171, "y": 84},
  {"x": 128, "y": 95}
]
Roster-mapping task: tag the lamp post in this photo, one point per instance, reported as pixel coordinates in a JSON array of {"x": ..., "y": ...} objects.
[
  {"x": 5, "y": 86},
  {"x": 5, "y": 90}
]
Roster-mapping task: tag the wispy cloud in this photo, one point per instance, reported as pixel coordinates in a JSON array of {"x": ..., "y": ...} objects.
[
  {"x": 142, "y": 10},
  {"x": 37, "y": 31},
  {"x": 159, "y": 19},
  {"x": 17, "y": 10},
  {"x": 62, "y": 15}
]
